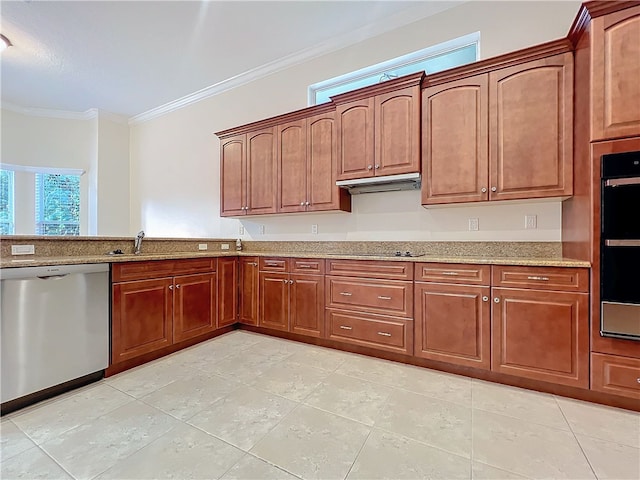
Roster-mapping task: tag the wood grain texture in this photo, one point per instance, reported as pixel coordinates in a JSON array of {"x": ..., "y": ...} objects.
[
  {"x": 292, "y": 166},
  {"x": 248, "y": 291},
  {"x": 616, "y": 375},
  {"x": 274, "y": 300},
  {"x": 195, "y": 305},
  {"x": 261, "y": 172},
  {"x": 227, "y": 292},
  {"x": 386, "y": 297},
  {"x": 466, "y": 274},
  {"x": 541, "y": 278},
  {"x": 306, "y": 307},
  {"x": 233, "y": 176},
  {"x": 355, "y": 125},
  {"x": 370, "y": 269}
]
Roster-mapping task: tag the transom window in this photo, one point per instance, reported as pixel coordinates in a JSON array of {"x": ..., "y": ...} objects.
[{"x": 443, "y": 56}]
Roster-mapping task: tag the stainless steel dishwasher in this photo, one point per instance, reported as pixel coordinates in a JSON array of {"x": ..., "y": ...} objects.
[{"x": 54, "y": 328}]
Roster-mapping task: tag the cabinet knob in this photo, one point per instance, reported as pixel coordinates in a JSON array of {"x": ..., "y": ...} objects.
[
  {"x": 178, "y": 286},
  {"x": 291, "y": 282},
  {"x": 638, "y": 380},
  {"x": 302, "y": 204},
  {"x": 369, "y": 167},
  {"x": 377, "y": 167},
  {"x": 494, "y": 189},
  {"x": 483, "y": 189},
  {"x": 496, "y": 300},
  {"x": 170, "y": 287},
  {"x": 307, "y": 203},
  {"x": 485, "y": 299}
]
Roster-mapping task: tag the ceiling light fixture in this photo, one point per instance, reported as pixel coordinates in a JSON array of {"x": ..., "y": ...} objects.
[{"x": 4, "y": 43}]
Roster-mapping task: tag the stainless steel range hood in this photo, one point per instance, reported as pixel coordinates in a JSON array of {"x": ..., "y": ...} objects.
[{"x": 388, "y": 183}]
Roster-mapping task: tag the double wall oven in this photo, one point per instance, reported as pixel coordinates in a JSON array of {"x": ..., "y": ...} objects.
[{"x": 620, "y": 246}]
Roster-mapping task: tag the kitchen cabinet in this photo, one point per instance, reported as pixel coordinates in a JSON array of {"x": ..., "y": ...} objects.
[
  {"x": 306, "y": 160},
  {"x": 453, "y": 314},
  {"x": 248, "y": 291},
  {"x": 292, "y": 301},
  {"x": 248, "y": 173},
  {"x": 616, "y": 375},
  {"x": 501, "y": 135},
  {"x": 379, "y": 129},
  {"x": 156, "y": 304},
  {"x": 227, "y": 291},
  {"x": 615, "y": 70},
  {"x": 540, "y": 331}
]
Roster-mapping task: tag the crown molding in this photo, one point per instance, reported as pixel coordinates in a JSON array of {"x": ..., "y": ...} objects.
[
  {"x": 50, "y": 113},
  {"x": 336, "y": 43}
]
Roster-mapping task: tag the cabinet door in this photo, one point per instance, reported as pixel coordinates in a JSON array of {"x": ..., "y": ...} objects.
[
  {"x": 292, "y": 166},
  {"x": 141, "y": 317},
  {"x": 616, "y": 75},
  {"x": 227, "y": 291},
  {"x": 541, "y": 335},
  {"x": 355, "y": 139},
  {"x": 261, "y": 172},
  {"x": 233, "y": 173},
  {"x": 452, "y": 324},
  {"x": 274, "y": 300},
  {"x": 194, "y": 305},
  {"x": 307, "y": 305},
  {"x": 397, "y": 132},
  {"x": 531, "y": 129},
  {"x": 455, "y": 146},
  {"x": 248, "y": 301}
]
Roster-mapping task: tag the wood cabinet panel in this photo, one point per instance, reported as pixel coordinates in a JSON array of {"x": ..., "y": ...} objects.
[
  {"x": 542, "y": 278},
  {"x": 306, "y": 309},
  {"x": 141, "y": 317},
  {"x": 355, "y": 125},
  {"x": 531, "y": 129},
  {"x": 467, "y": 274},
  {"x": 615, "y": 375},
  {"x": 227, "y": 291},
  {"x": 371, "y": 269},
  {"x": 541, "y": 335},
  {"x": 377, "y": 296},
  {"x": 274, "y": 264},
  {"x": 386, "y": 333},
  {"x": 233, "y": 171},
  {"x": 261, "y": 171},
  {"x": 194, "y": 311},
  {"x": 615, "y": 73},
  {"x": 292, "y": 166},
  {"x": 122, "y": 272},
  {"x": 248, "y": 291},
  {"x": 274, "y": 300},
  {"x": 455, "y": 151},
  {"x": 452, "y": 324},
  {"x": 397, "y": 131},
  {"x": 308, "y": 265}
]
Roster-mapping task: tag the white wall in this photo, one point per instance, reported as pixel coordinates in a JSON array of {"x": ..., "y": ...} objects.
[{"x": 175, "y": 157}]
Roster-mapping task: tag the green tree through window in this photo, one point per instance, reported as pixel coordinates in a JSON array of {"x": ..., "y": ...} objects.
[
  {"x": 6, "y": 202},
  {"x": 57, "y": 204}
]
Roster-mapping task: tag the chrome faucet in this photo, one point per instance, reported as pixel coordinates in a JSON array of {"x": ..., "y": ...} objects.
[{"x": 137, "y": 246}]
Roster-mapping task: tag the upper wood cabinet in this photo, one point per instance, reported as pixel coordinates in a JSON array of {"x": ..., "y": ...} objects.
[
  {"x": 615, "y": 74},
  {"x": 248, "y": 173},
  {"x": 500, "y": 135},
  {"x": 379, "y": 129},
  {"x": 306, "y": 158}
]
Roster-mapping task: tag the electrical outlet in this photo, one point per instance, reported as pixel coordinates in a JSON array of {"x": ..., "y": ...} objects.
[
  {"x": 314, "y": 229},
  {"x": 474, "y": 224},
  {"x": 261, "y": 229},
  {"x": 530, "y": 221},
  {"x": 22, "y": 250},
  {"x": 224, "y": 246},
  {"x": 241, "y": 230}
]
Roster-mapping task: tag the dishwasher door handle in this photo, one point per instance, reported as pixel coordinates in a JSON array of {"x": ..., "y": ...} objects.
[{"x": 55, "y": 277}]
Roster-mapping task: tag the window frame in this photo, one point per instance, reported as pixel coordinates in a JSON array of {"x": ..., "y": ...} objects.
[
  {"x": 40, "y": 224},
  {"x": 11, "y": 201}
]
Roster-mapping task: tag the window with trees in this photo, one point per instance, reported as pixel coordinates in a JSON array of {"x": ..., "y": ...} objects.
[
  {"x": 57, "y": 204},
  {"x": 6, "y": 203}
]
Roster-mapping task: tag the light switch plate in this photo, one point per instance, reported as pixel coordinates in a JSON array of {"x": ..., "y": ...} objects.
[{"x": 23, "y": 250}]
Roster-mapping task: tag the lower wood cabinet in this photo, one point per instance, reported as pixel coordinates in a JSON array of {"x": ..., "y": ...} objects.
[
  {"x": 227, "y": 291},
  {"x": 274, "y": 301},
  {"x": 248, "y": 291},
  {"x": 194, "y": 305},
  {"x": 616, "y": 375}
]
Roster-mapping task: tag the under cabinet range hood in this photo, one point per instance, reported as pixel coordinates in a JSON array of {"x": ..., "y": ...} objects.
[{"x": 387, "y": 183}]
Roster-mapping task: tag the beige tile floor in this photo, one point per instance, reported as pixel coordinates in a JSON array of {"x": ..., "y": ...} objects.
[{"x": 248, "y": 406}]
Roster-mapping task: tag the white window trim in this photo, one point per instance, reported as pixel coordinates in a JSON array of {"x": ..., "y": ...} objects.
[
  {"x": 382, "y": 67},
  {"x": 51, "y": 170}
]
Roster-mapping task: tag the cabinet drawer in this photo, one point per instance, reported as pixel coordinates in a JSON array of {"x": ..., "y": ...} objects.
[
  {"x": 542, "y": 278},
  {"x": 615, "y": 375},
  {"x": 371, "y": 269},
  {"x": 194, "y": 265},
  {"x": 453, "y": 273},
  {"x": 274, "y": 264},
  {"x": 307, "y": 265},
  {"x": 122, "y": 272},
  {"x": 394, "y": 334},
  {"x": 377, "y": 296}
]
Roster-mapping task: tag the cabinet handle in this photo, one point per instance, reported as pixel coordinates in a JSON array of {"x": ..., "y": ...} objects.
[
  {"x": 345, "y": 327},
  {"x": 533, "y": 277},
  {"x": 271, "y": 264},
  {"x": 382, "y": 297},
  {"x": 483, "y": 189},
  {"x": 304, "y": 266},
  {"x": 284, "y": 281},
  {"x": 485, "y": 299},
  {"x": 307, "y": 203},
  {"x": 291, "y": 282},
  {"x": 377, "y": 167},
  {"x": 178, "y": 286},
  {"x": 638, "y": 380},
  {"x": 369, "y": 167},
  {"x": 170, "y": 287},
  {"x": 346, "y": 294},
  {"x": 255, "y": 264},
  {"x": 449, "y": 273},
  {"x": 496, "y": 300},
  {"x": 302, "y": 204},
  {"x": 494, "y": 189},
  {"x": 384, "y": 334}
]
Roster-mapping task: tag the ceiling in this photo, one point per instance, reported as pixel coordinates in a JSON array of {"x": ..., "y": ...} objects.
[{"x": 129, "y": 57}]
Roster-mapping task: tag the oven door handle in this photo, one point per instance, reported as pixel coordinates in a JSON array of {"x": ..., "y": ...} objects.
[
  {"x": 617, "y": 182},
  {"x": 622, "y": 243}
]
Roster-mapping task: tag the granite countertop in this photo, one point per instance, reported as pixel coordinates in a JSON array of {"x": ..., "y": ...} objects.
[{"x": 479, "y": 259}]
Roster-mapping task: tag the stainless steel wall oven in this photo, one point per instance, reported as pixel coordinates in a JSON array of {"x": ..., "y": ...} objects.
[{"x": 620, "y": 246}]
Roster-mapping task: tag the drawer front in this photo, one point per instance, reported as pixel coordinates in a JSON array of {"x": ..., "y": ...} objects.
[
  {"x": 308, "y": 265},
  {"x": 371, "y": 269},
  {"x": 376, "y": 296},
  {"x": 394, "y": 334},
  {"x": 616, "y": 375},
  {"x": 542, "y": 278},
  {"x": 195, "y": 265},
  {"x": 274, "y": 264},
  {"x": 453, "y": 273},
  {"x": 122, "y": 272}
]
